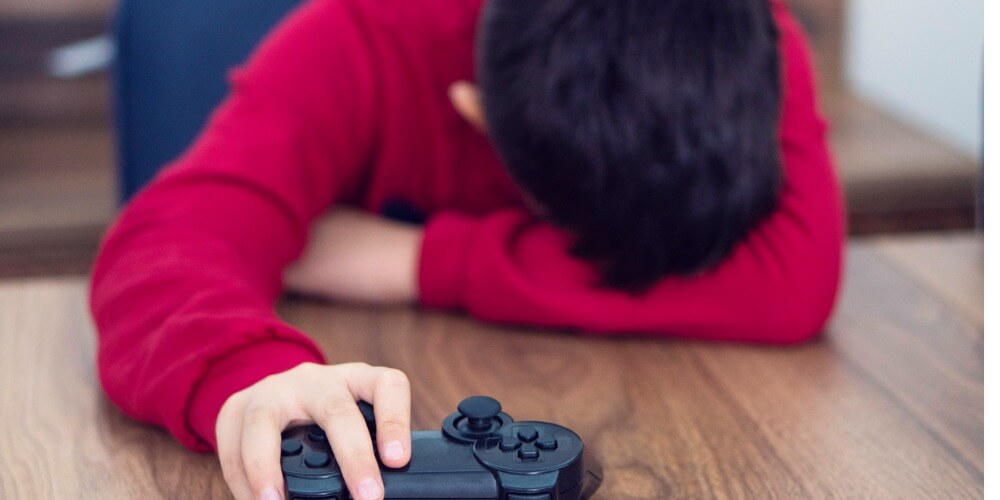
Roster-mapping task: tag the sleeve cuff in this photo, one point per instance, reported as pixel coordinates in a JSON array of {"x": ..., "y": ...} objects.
[
  {"x": 237, "y": 371},
  {"x": 444, "y": 254}
]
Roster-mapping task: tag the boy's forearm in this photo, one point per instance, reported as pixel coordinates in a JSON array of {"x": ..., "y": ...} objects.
[{"x": 360, "y": 257}]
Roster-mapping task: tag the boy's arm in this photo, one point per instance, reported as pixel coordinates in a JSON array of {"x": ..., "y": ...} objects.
[
  {"x": 355, "y": 256},
  {"x": 184, "y": 285},
  {"x": 778, "y": 285}
]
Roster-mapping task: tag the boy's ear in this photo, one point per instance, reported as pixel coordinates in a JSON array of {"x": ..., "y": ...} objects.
[{"x": 465, "y": 98}]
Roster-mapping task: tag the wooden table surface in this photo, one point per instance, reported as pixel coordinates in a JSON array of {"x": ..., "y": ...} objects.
[{"x": 888, "y": 403}]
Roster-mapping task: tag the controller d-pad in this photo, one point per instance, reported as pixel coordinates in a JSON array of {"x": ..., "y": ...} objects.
[
  {"x": 527, "y": 434},
  {"x": 509, "y": 444},
  {"x": 547, "y": 443},
  {"x": 528, "y": 452}
]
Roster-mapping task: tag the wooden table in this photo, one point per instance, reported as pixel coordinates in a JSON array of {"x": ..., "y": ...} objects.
[{"x": 889, "y": 403}]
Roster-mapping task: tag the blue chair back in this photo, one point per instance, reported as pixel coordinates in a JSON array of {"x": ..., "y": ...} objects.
[{"x": 170, "y": 73}]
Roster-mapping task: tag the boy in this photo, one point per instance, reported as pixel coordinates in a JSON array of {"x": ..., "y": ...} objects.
[{"x": 664, "y": 171}]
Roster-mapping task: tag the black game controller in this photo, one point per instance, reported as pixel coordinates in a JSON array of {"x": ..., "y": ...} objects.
[{"x": 480, "y": 452}]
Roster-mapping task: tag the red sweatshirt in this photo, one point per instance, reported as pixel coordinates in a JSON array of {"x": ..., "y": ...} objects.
[{"x": 345, "y": 103}]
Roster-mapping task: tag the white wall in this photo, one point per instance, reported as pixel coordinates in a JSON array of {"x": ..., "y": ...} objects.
[{"x": 920, "y": 60}]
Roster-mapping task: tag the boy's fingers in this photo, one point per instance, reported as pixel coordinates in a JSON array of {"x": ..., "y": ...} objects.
[
  {"x": 392, "y": 417},
  {"x": 261, "y": 451},
  {"x": 388, "y": 390},
  {"x": 228, "y": 434},
  {"x": 339, "y": 416}
]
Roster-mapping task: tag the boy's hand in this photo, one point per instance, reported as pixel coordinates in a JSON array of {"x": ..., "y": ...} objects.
[
  {"x": 356, "y": 256},
  {"x": 250, "y": 422}
]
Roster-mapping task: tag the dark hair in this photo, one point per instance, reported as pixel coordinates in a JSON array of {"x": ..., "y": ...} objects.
[{"x": 647, "y": 128}]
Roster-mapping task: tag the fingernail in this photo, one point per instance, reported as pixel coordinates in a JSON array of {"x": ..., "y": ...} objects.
[
  {"x": 369, "y": 489},
  {"x": 270, "y": 494},
  {"x": 394, "y": 450}
]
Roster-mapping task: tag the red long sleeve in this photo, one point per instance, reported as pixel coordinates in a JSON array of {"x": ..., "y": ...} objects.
[
  {"x": 184, "y": 286},
  {"x": 779, "y": 285},
  {"x": 346, "y": 102}
]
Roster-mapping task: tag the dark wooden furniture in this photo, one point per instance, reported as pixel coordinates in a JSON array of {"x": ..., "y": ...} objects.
[{"x": 888, "y": 403}]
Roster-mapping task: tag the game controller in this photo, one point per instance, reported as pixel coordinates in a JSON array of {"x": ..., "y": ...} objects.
[{"x": 480, "y": 452}]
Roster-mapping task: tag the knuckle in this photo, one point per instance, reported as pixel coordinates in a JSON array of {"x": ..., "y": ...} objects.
[
  {"x": 311, "y": 366},
  {"x": 277, "y": 401},
  {"x": 268, "y": 386},
  {"x": 337, "y": 408},
  {"x": 300, "y": 369},
  {"x": 391, "y": 377},
  {"x": 354, "y": 367},
  {"x": 393, "y": 424},
  {"x": 305, "y": 368},
  {"x": 257, "y": 415}
]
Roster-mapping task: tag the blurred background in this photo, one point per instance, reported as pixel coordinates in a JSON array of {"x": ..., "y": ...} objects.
[{"x": 901, "y": 84}]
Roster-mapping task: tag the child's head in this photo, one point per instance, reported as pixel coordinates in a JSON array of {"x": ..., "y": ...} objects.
[{"x": 648, "y": 128}]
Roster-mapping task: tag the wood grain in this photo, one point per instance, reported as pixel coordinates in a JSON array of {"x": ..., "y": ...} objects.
[
  {"x": 888, "y": 403},
  {"x": 60, "y": 437},
  {"x": 949, "y": 266}
]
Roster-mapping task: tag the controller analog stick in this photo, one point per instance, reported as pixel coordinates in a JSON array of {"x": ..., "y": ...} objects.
[{"x": 479, "y": 412}]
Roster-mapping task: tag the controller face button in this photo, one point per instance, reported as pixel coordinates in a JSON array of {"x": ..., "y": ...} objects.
[
  {"x": 527, "y": 434},
  {"x": 509, "y": 444},
  {"x": 290, "y": 447},
  {"x": 547, "y": 443},
  {"x": 317, "y": 459},
  {"x": 527, "y": 453},
  {"x": 317, "y": 435}
]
